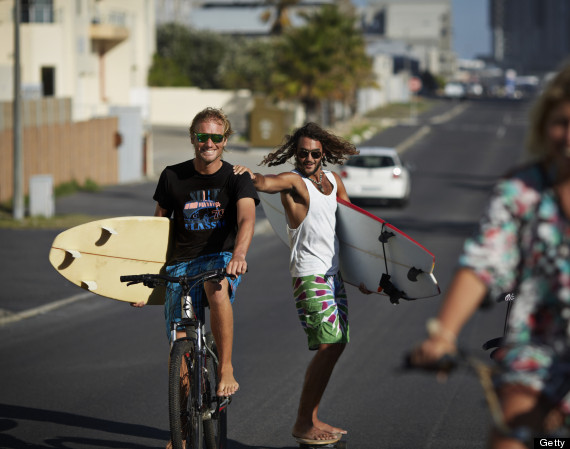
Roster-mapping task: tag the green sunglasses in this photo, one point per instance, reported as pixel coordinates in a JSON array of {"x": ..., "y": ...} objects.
[{"x": 203, "y": 137}]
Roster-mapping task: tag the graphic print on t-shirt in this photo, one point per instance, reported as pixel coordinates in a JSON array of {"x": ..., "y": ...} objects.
[{"x": 203, "y": 211}]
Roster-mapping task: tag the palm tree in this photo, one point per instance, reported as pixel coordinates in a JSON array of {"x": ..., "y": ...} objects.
[
  {"x": 323, "y": 60},
  {"x": 282, "y": 20}
]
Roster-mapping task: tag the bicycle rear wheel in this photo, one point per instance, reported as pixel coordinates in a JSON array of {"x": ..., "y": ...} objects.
[
  {"x": 216, "y": 428},
  {"x": 186, "y": 430}
]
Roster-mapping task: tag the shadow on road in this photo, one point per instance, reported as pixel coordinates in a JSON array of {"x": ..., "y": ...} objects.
[{"x": 10, "y": 415}]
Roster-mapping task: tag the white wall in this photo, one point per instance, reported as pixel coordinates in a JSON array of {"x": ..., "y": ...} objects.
[{"x": 177, "y": 106}]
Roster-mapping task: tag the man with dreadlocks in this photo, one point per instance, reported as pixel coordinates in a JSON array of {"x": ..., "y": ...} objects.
[{"x": 309, "y": 194}]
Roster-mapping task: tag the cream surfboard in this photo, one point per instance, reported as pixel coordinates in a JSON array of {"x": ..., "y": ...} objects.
[
  {"x": 371, "y": 251},
  {"x": 94, "y": 255}
]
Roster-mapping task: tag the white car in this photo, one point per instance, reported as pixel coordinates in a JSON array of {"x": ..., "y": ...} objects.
[
  {"x": 377, "y": 173},
  {"x": 454, "y": 90}
]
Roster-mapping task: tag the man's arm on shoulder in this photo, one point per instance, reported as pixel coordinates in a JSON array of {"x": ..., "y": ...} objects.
[
  {"x": 340, "y": 189},
  {"x": 246, "y": 225},
  {"x": 283, "y": 182},
  {"x": 271, "y": 183}
]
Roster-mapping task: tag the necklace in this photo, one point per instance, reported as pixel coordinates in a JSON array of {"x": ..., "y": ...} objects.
[{"x": 318, "y": 183}]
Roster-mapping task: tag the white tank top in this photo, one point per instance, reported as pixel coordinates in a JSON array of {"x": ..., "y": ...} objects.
[{"x": 314, "y": 244}]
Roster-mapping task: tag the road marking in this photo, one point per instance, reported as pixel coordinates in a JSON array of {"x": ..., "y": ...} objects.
[
  {"x": 449, "y": 115},
  {"x": 420, "y": 133},
  {"x": 42, "y": 309},
  {"x": 501, "y": 131}
]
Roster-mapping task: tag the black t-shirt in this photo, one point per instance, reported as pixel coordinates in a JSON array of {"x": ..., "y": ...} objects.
[{"x": 204, "y": 206}]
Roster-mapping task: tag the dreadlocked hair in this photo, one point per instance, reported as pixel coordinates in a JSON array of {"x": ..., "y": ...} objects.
[{"x": 335, "y": 149}]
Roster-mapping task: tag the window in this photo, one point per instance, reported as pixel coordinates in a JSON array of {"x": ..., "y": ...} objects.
[
  {"x": 37, "y": 11},
  {"x": 370, "y": 161},
  {"x": 48, "y": 81}
]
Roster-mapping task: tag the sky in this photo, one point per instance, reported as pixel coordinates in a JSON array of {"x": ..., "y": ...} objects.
[{"x": 471, "y": 32}]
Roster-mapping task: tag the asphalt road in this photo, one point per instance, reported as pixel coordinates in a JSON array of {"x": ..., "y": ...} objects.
[{"x": 92, "y": 374}]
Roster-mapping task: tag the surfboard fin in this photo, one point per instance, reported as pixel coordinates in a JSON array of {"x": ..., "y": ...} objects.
[
  {"x": 413, "y": 274},
  {"x": 109, "y": 229},
  {"x": 89, "y": 285},
  {"x": 73, "y": 253},
  {"x": 387, "y": 287},
  {"x": 383, "y": 238}
]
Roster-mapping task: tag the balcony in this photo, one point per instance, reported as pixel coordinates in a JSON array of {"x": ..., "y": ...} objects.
[{"x": 107, "y": 32}]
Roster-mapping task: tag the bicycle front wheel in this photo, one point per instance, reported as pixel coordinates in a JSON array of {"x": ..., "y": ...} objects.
[
  {"x": 186, "y": 430},
  {"x": 215, "y": 428}
]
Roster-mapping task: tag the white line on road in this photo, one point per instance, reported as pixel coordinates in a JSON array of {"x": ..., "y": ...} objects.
[{"x": 42, "y": 309}]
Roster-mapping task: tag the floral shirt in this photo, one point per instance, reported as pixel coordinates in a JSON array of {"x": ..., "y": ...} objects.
[{"x": 523, "y": 246}]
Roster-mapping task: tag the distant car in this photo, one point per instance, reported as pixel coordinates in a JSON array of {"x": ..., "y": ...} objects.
[
  {"x": 454, "y": 90},
  {"x": 377, "y": 173}
]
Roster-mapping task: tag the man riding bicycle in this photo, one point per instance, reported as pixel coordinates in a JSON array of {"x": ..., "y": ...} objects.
[{"x": 214, "y": 219}]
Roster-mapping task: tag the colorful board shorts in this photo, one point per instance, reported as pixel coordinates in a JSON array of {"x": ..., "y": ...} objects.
[
  {"x": 538, "y": 367},
  {"x": 172, "y": 304},
  {"x": 322, "y": 307}
]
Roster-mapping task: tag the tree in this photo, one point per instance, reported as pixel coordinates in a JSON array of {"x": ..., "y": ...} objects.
[
  {"x": 247, "y": 64},
  {"x": 281, "y": 20},
  {"x": 323, "y": 60},
  {"x": 164, "y": 72},
  {"x": 185, "y": 53}
]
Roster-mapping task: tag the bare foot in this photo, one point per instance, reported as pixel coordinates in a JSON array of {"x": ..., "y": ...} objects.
[
  {"x": 227, "y": 384},
  {"x": 313, "y": 433},
  {"x": 328, "y": 428}
]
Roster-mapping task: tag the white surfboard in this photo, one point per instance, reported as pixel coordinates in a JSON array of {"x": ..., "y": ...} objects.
[
  {"x": 370, "y": 250},
  {"x": 95, "y": 255}
]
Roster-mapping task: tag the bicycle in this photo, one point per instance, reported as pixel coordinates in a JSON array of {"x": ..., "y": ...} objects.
[
  {"x": 451, "y": 362},
  {"x": 198, "y": 417}
]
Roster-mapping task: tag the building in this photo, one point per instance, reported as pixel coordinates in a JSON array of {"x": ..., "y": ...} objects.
[
  {"x": 530, "y": 36},
  {"x": 96, "y": 52},
  {"x": 253, "y": 18},
  {"x": 81, "y": 62},
  {"x": 425, "y": 26}
]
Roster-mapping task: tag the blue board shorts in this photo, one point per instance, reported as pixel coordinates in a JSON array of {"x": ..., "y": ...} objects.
[{"x": 172, "y": 303}]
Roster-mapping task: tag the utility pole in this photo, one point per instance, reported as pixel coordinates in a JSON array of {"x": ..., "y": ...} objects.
[{"x": 18, "y": 206}]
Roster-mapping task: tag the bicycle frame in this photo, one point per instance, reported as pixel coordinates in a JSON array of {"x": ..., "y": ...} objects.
[
  {"x": 203, "y": 403},
  {"x": 191, "y": 323}
]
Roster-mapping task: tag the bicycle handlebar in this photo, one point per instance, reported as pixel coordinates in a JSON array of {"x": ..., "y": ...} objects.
[{"x": 153, "y": 280}]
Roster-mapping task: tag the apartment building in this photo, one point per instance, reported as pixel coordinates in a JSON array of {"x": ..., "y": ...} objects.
[
  {"x": 530, "y": 36},
  {"x": 425, "y": 26},
  {"x": 96, "y": 52}
]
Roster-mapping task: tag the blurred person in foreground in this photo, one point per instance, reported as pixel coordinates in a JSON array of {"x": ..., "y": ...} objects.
[
  {"x": 522, "y": 246},
  {"x": 309, "y": 196}
]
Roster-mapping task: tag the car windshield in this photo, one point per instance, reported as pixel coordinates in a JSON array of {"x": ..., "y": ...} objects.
[{"x": 370, "y": 161}]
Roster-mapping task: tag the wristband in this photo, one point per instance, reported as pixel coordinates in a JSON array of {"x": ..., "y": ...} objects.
[{"x": 435, "y": 329}]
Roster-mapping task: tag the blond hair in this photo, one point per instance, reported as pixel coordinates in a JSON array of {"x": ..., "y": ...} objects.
[
  {"x": 211, "y": 115},
  {"x": 556, "y": 92}
]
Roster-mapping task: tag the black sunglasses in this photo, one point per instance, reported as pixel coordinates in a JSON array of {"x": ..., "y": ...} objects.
[
  {"x": 203, "y": 137},
  {"x": 304, "y": 153}
]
